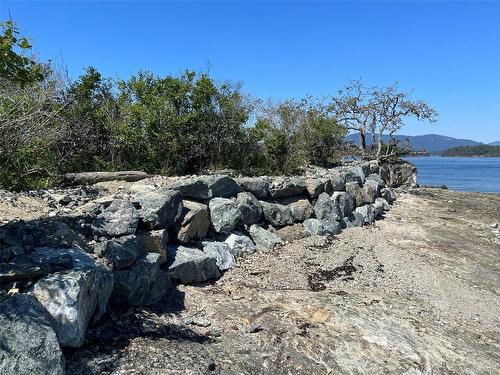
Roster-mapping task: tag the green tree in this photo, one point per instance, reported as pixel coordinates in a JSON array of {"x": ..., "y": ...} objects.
[{"x": 15, "y": 66}]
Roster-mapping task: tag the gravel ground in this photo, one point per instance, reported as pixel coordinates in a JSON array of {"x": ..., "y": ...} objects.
[{"x": 415, "y": 293}]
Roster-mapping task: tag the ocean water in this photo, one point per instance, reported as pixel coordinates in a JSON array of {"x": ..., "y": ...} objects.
[{"x": 463, "y": 174}]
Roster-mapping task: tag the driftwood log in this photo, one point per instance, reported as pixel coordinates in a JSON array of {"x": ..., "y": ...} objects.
[{"x": 93, "y": 177}]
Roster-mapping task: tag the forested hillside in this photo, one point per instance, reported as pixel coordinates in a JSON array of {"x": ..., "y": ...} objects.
[{"x": 479, "y": 151}]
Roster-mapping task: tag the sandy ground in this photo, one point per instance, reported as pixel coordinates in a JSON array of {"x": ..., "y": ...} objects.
[{"x": 415, "y": 293}]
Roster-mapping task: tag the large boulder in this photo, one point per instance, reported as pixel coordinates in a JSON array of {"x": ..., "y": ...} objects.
[
  {"x": 71, "y": 297},
  {"x": 354, "y": 174},
  {"x": 322, "y": 227},
  {"x": 120, "y": 218},
  {"x": 326, "y": 208},
  {"x": 250, "y": 208},
  {"x": 258, "y": 186},
  {"x": 292, "y": 233},
  {"x": 315, "y": 186},
  {"x": 388, "y": 194},
  {"x": 375, "y": 177},
  {"x": 367, "y": 212},
  {"x": 122, "y": 252},
  {"x": 134, "y": 286},
  {"x": 344, "y": 202},
  {"x": 194, "y": 222},
  {"x": 287, "y": 187},
  {"x": 263, "y": 238},
  {"x": 380, "y": 206},
  {"x": 206, "y": 187},
  {"x": 300, "y": 208},
  {"x": 159, "y": 208},
  {"x": 190, "y": 265},
  {"x": 355, "y": 219},
  {"x": 240, "y": 244},
  {"x": 225, "y": 214},
  {"x": 335, "y": 183},
  {"x": 277, "y": 214},
  {"x": 28, "y": 342},
  {"x": 221, "y": 252},
  {"x": 369, "y": 193},
  {"x": 221, "y": 186},
  {"x": 73, "y": 257},
  {"x": 159, "y": 288},
  {"x": 154, "y": 241},
  {"x": 357, "y": 192}
]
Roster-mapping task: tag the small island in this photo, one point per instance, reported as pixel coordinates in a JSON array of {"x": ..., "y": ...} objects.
[{"x": 480, "y": 151}]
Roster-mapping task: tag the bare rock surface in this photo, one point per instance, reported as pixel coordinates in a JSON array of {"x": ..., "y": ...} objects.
[
  {"x": 28, "y": 343},
  {"x": 416, "y": 293}
]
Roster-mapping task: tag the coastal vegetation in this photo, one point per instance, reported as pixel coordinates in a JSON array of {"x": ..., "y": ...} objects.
[
  {"x": 174, "y": 124},
  {"x": 473, "y": 151}
]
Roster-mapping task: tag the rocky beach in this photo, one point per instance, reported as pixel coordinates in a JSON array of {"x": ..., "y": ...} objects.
[{"x": 341, "y": 271}]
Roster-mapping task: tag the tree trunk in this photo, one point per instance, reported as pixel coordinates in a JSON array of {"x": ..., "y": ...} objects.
[
  {"x": 362, "y": 142},
  {"x": 93, "y": 177},
  {"x": 379, "y": 146}
]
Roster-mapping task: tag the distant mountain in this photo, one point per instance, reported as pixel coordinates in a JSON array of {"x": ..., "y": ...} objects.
[
  {"x": 432, "y": 143},
  {"x": 494, "y": 143}
]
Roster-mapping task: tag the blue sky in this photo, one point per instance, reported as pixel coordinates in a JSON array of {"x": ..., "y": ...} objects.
[{"x": 448, "y": 53}]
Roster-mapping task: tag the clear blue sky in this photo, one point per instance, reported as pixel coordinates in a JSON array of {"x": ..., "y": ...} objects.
[{"x": 447, "y": 52}]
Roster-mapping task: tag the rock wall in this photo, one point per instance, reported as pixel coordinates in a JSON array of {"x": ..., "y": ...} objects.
[{"x": 132, "y": 247}]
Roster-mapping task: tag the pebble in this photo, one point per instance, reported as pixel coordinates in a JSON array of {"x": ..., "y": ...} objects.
[
  {"x": 494, "y": 225},
  {"x": 253, "y": 328},
  {"x": 198, "y": 321}
]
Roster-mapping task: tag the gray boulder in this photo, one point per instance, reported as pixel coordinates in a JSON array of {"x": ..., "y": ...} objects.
[
  {"x": 134, "y": 286},
  {"x": 160, "y": 208},
  {"x": 159, "y": 288},
  {"x": 326, "y": 208},
  {"x": 380, "y": 206},
  {"x": 194, "y": 222},
  {"x": 222, "y": 186},
  {"x": 206, "y": 187},
  {"x": 250, "y": 208},
  {"x": 263, "y": 238},
  {"x": 258, "y": 186},
  {"x": 368, "y": 213},
  {"x": 154, "y": 241},
  {"x": 375, "y": 177},
  {"x": 120, "y": 218},
  {"x": 28, "y": 342},
  {"x": 73, "y": 257},
  {"x": 322, "y": 227},
  {"x": 300, "y": 208},
  {"x": 190, "y": 265},
  {"x": 344, "y": 202},
  {"x": 240, "y": 244},
  {"x": 71, "y": 297},
  {"x": 194, "y": 187},
  {"x": 225, "y": 214},
  {"x": 388, "y": 194},
  {"x": 287, "y": 187},
  {"x": 369, "y": 192},
  {"x": 122, "y": 252},
  {"x": 357, "y": 192},
  {"x": 315, "y": 186},
  {"x": 277, "y": 214},
  {"x": 355, "y": 219},
  {"x": 355, "y": 174},
  {"x": 221, "y": 252},
  {"x": 336, "y": 183}
]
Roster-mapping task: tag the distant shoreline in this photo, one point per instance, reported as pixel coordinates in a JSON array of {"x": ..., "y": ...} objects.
[{"x": 451, "y": 156}]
